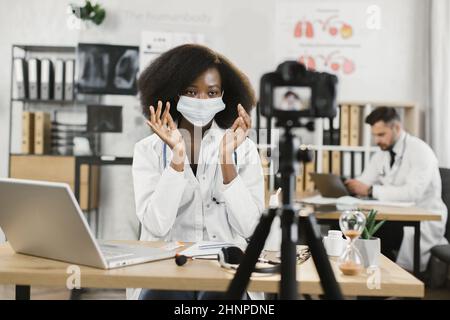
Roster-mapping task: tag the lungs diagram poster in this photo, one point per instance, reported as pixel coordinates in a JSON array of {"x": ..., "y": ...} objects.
[{"x": 322, "y": 35}]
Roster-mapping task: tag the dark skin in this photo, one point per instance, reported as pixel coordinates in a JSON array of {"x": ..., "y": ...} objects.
[{"x": 208, "y": 85}]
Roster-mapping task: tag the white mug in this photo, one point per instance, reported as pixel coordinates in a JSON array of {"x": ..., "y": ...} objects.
[{"x": 334, "y": 243}]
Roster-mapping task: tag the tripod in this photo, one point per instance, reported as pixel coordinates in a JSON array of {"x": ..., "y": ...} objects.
[{"x": 292, "y": 227}]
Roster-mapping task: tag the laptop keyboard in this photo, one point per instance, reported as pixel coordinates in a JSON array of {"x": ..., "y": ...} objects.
[{"x": 111, "y": 252}]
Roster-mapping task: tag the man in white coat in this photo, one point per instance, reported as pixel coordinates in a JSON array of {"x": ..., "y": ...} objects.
[{"x": 405, "y": 169}]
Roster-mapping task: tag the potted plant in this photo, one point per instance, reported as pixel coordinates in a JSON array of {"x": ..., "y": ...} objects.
[
  {"x": 89, "y": 12},
  {"x": 368, "y": 245}
]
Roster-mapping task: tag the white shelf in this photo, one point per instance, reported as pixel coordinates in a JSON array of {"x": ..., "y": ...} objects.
[
  {"x": 266, "y": 146},
  {"x": 374, "y": 104},
  {"x": 327, "y": 147},
  {"x": 344, "y": 148}
]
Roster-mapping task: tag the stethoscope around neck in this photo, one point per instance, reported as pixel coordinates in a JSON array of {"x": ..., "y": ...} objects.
[
  {"x": 399, "y": 162},
  {"x": 164, "y": 153},
  {"x": 213, "y": 198}
]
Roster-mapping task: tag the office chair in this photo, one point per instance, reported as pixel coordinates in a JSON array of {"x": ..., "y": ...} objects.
[{"x": 440, "y": 255}]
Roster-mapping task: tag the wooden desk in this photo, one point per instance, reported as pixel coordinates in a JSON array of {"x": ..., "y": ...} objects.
[
  {"x": 389, "y": 213},
  {"x": 25, "y": 271},
  {"x": 406, "y": 216}
]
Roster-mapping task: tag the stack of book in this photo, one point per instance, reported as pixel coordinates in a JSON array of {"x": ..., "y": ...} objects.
[
  {"x": 63, "y": 135},
  {"x": 42, "y": 136},
  {"x": 36, "y": 132}
]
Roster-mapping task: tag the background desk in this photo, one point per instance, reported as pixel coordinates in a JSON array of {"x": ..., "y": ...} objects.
[
  {"x": 83, "y": 179},
  {"x": 25, "y": 271},
  {"x": 94, "y": 162},
  {"x": 406, "y": 216}
]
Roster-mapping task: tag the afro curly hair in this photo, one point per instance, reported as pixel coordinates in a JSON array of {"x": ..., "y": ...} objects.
[{"x": 168, "y": 76}]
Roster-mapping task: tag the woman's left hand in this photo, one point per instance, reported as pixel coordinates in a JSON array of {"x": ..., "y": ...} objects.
[{"x": 235, "y": 135}]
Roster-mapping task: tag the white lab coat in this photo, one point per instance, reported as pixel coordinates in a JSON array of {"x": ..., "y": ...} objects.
[
  {"x": 414, "y": 177},
  {"x": 179, "y": 206}
]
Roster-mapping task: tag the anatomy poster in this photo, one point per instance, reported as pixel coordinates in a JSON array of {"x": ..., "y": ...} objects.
[{"x": 323, "y": 36}]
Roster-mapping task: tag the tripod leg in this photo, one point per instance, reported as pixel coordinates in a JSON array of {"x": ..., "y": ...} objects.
[
  {"x": 330, "y": 287},
  {"x": 242, "y": 277},
  {"x": 288, "y": 284}
]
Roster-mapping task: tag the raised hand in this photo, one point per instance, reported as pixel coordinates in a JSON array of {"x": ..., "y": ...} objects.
[
  {"x": 234, "y": 136},
  {"x": 166, "y": 129}
]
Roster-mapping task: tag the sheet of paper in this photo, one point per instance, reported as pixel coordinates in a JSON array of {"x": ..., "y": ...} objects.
[
  {"x": 356, "y": 201},
  {"x": 352, "y": 201},
  {"x": 388, "y": 203},
  {"x": 319, "y": 200},
  {"x": 205, "y": 248}
]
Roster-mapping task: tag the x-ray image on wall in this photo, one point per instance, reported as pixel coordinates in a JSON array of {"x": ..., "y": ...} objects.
[
  {"x": 104, "y": 118},
  {"x": 107, "y": 69}
]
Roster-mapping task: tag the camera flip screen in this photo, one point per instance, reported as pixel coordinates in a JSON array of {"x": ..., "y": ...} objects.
[{"x": 292, "y": 98}]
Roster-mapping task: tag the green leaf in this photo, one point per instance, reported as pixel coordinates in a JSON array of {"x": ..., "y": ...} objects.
[
  {"x": 365, "y": 234},
  {"x": 99, "y": 17},
  {"x": 370, "y": 220},
  {"x": 378, "y": 226},
  {"x": 92, "y": 12},
  {"x": 371, "y": 225},
  {"x": 88, "y": 6}
]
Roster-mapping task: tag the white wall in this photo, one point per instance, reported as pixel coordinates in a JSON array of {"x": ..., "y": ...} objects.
[{"x": 242, "y": 30}]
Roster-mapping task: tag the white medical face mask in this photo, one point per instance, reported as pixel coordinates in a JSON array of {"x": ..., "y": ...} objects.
[{"x": 199, "y": 112}]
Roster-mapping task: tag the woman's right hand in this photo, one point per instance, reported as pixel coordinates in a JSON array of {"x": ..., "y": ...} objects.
[{"x": 166, "y": 129}]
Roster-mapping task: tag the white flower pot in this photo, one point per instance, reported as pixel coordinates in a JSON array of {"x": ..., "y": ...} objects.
[{"x": 370, "y": 251}]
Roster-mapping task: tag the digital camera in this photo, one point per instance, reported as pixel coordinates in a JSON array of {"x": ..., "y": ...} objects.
[{"x": 293, "y": 92}]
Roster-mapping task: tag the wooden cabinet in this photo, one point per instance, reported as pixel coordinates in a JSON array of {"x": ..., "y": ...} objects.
[{"x": 58, "y": 169}]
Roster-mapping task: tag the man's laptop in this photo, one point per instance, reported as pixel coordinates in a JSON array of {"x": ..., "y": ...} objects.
[
  {"x": 329, "y": 185},
  {"x": 44, "y": 219}
]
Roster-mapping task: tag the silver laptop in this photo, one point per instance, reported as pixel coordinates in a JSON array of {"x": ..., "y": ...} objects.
[
  {"x": 44, "y": 219},
  {"x": 329, "y": 185}
]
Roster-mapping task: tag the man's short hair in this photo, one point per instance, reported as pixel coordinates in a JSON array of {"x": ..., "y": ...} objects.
[
  {"x": 291, "y": 93},
  {"x": 385, "y": 114}
]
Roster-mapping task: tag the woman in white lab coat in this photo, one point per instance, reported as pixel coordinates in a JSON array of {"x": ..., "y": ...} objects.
[{"x": 197, "y": 177}]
